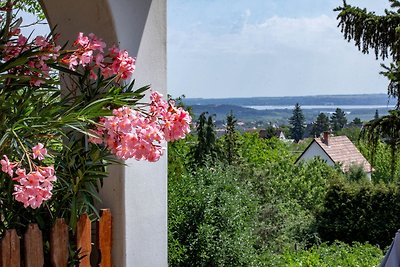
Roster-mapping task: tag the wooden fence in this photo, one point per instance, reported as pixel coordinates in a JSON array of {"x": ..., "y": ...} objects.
[{"x": 32, "y": 254}]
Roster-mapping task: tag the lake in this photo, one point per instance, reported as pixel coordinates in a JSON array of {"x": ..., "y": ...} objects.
[{"x": 323, "y": 107}]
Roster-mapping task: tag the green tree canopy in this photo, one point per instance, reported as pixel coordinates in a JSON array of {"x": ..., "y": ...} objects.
[
  {"x": 321, "y": 124},
  {"x": 357, "y": 121},
  {"x": 338, "y": 120}
]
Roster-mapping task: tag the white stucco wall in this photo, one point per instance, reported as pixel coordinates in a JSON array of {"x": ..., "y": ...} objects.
[
  {"x": 137, "y": 193},
  {"x": 316, "y": 151}
]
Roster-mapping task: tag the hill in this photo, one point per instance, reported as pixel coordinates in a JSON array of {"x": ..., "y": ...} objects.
[{"x": 252, "y": 112}]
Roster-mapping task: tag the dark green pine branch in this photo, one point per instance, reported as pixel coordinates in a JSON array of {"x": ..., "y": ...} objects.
[{"x": 369, "y": 31}]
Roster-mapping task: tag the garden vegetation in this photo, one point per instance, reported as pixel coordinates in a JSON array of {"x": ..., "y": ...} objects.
[{"x": 249, "y": 204}]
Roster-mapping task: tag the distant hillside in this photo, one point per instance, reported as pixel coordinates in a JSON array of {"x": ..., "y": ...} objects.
[
  {"x": 360, "y": 99},
  {"x": 221, "y": 107}
]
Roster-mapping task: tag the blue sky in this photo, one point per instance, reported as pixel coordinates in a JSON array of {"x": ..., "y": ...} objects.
[{"x": 245, "y": 48}]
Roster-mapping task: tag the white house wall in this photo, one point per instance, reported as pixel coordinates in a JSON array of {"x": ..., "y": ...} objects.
[
  {"x": 316, "y": 151},
  {"x": 137, "y": 193}
]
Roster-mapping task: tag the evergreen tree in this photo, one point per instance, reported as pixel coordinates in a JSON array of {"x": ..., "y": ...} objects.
[
  {"x": 231, "y": 139},
  {"x": 205, "y": 146},
  {"x": 199, "y": 150},
  {"x": 376, "y": 115},
  {"x": 338, "y": 120},
  {"x": 379, "y": 33},
  {"x": 357, "y": 121},
  {"x": 321, "y": 125},
  {"x": 211, "y": 137},
  {"x": 297, "y": 122}
]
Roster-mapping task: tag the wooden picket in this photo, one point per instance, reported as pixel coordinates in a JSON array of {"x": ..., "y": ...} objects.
[{"x": 32, "y": 241}]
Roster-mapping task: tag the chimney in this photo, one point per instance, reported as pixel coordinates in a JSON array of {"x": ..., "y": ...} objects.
[{"x": 325, "y": 139}]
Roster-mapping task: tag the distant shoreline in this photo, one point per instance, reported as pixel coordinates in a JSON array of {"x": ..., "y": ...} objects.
[
  {"x": 327, "y": 107},
  {"x": 381, "y": 100}
]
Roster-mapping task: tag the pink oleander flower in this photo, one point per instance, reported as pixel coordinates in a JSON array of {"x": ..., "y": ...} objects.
[
  {"x": 96, "y": 136},
  {"x": 7, "y": 166},
  {"x": 37, "y": 67},
  {"x": 39, "y": 151},
  {"x": 131, "y": 134},
  {"x": 177, "y": 124},
  {"x": 34, "y": 188},
  {"x": 89, "y": 53}
]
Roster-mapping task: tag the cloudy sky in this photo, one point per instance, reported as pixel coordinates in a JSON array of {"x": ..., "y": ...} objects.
[{"x": 245, "y": 48}]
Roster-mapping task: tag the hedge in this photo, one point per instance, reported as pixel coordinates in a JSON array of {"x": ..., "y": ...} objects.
[{"x": 362, "y": 212}]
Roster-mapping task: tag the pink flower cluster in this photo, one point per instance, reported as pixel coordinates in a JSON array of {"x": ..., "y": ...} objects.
[
  {"x": 89, "y": 53},
  {"x": 36, "y": 68},
  {"x": 34, "y": 188},
  {"x": 131, "y": 134}
]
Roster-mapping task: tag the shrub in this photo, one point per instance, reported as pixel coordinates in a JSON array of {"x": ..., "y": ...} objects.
[
  {"x": 337, "y": 254},
  {"x": 290, "y": 196},
  {"x": 212, "y": 219},
  {"x": 361, "y": 212}
]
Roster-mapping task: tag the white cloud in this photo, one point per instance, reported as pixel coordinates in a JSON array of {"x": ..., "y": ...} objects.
[
  {"x": 274, "y": 35},
  {"x": 273, "y": 57}
]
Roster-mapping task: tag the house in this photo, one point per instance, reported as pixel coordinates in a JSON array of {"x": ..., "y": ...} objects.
[
  {"x": 336, "y": 150},
  {"x": 271, "y": 132}
]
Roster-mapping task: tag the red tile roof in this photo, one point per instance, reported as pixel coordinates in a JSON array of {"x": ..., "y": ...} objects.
[{"x": 342, "y": 151}]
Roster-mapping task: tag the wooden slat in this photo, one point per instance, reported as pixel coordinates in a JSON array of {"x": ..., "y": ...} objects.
[
  {"x": 33, "y": 252},
  {"x": 59, "y": 244},
  {"x": 104, "y": 237},
  {"x": 84, "y": 240},
  {"x": 10, "y": 249}
]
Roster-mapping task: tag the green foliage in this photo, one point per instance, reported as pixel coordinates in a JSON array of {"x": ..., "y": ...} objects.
[
  {"x": 269, "y": 132},
  {"x": 356, "y": 173},
  {"x": 297, "y": 122},
  {"x": 362, "y": 212},
  {"x": 31, "y": 6},
  {"x": 370, "y": 31},
  {"x": 179, "y": 156},
  {"x": 352, "y": 132},
  {"x": 256, "y": 211},
  {"x": 260, "y": 151},
  {"x": 381, "y": 162},
  {"x": 211, "y": 219},
  {"x": 206, "y": 146},
  {"x": 381, "y": 34},
  {"x": 324, "y": 255},
  {"x": 386, "y": 128},
  {"x": 338, "y": 120},
  {"x": 290, "y": 196},
  {"x": 321, "y": 125},
  {"x": 230, "y": 140},
  {"x": 357, "y": 121}
]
